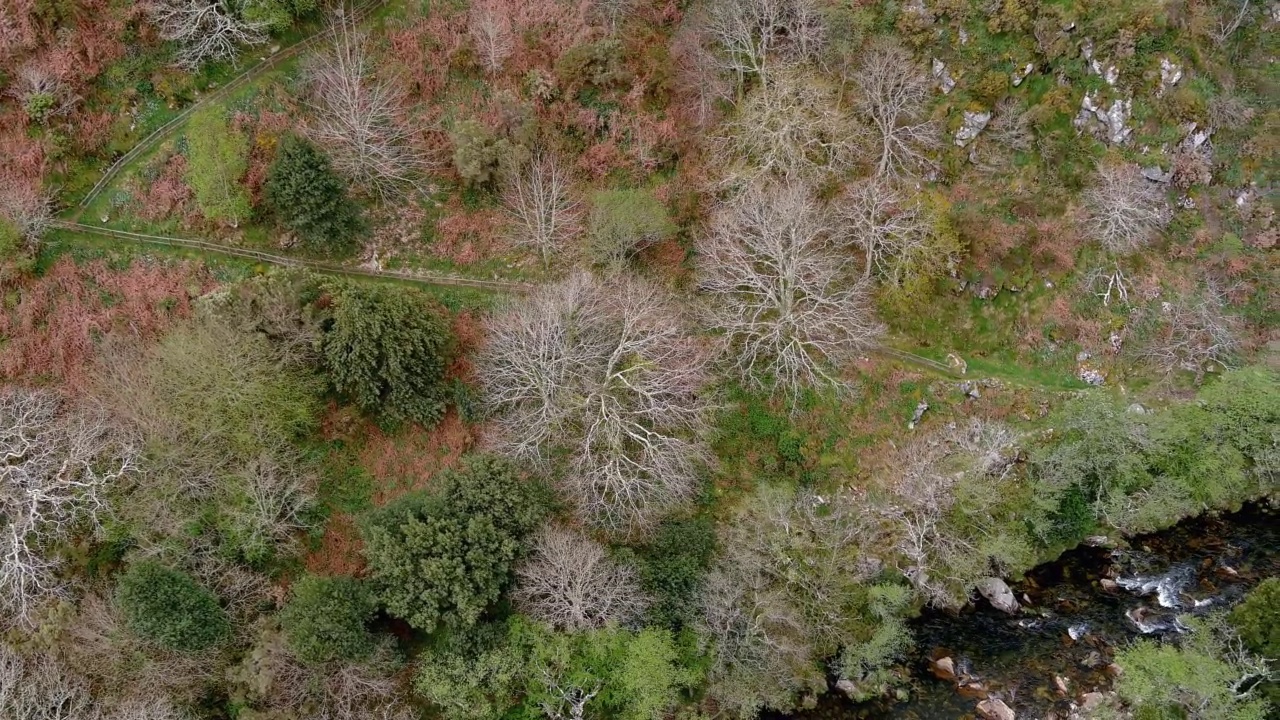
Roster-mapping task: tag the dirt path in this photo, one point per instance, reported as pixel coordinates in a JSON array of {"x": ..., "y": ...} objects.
[
  {"x": 423, "y": 278},
  {"x": 147, "y": 143}
]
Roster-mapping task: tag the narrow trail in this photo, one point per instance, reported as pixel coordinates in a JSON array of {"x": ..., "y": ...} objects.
[
  {"x": 144, "y": 145},
  {"x": 422, "y": 278}
]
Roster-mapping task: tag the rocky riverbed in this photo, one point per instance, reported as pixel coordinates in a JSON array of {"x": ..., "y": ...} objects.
[{"x": 1053, "y": 655}]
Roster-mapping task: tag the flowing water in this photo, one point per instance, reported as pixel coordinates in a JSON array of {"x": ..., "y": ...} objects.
[{"x": 1081, "y": 607}]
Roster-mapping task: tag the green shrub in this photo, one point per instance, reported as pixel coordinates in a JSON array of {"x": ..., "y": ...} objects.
[
  {"x": 325, "y": 621},
  {"x": 1257, "y": 619},
  {"x": 445, "y": 557},
  {"x": 480, "y": 156},
  {"x": 217, "y": 158},
  {"x": 170, "y": 607},
  {"x": 387, "y": 348},
  {"x": 310, "y": 198},
  {"x": 624, "y": 222},
  {"x": 1195, "y": 679},
  {"x": 472, "y": 675},
  {"x": 672, "y": 567}
]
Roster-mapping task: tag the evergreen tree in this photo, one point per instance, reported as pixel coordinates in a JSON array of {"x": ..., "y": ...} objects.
[
  {"x": 310, "y": 198},
  {"x": 326, "y": 619},
  {"x": 387, "y": 349},
  {"x": 170, "y": 607},
  {"x": 445, "y": 557},
  {"x": 217, "y": 158}
]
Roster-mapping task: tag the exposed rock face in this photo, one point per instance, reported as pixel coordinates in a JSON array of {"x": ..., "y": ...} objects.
[
  {"x": 973, "y": 124},
  {"x": 1170, "y": 74},
  {"x": 995, "y": 709},
  {"x": 998, "y": 594},
  {"x": 1110, "y": 122},
  {"x": 1020, "y": 75},
  {"x": 940, "y": 73}
]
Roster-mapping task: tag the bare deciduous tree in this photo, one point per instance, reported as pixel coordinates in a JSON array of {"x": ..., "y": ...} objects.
[
  {"x": 544, "y": 213},
  {"x": 29, "y": 208},
  {"x": 42, "y": 94},
  {"x": 276, "y": 495},
  {"x": 607, "y": 374},
  {"x": 358, "y": 108},
  {"x": 942, "y": 562},
  {"x": 571, "y": 584},
  {"x": 491, "y": 33},
  {"x": 786, "y": 297},
  {"x": 751, "y": 32},
  {"x": 614, "y": 11},
  {"x": 1192, "y": 332},
  {"x": 792, "y": 127},
  {"x": 781, "y": 597},
  {"x": 892, "y": 94},
  {"x": 205, "y": 30},
  {"x": 1124, "y": 210},
  {"x": 55, "y": 466},
  {"x": 895, "y": 234},
  {"x": 36, "y": 687}
]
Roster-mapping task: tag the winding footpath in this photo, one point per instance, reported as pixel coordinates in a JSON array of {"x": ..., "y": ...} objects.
[{"x": 360, "y": 12}]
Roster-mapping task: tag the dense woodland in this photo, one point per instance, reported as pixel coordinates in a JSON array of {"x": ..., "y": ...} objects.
[{"x": 802, "y": 316}]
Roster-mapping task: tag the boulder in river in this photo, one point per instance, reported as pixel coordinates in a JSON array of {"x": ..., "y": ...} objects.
[
  {"x": 995, "y": 709},
  {"x": 943, "y": 668},
  {"x": 998, "y": 594}
]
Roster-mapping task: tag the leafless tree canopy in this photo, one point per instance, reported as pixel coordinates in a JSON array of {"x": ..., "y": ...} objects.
[
  {"x": 892, "y": 95},
  {"x": 38, "y": 688},
  {"x": 544, "y": 213},
  {"x": 204, "y": 30},
  {"x": 55, "y": 466},
  {"x": 358, "y": 115},
  {"x": 1125, "y": 210},
  {"x": 778, "y": 600},
  {"x": 491, "y": 34},
  {"x": 1193, "y": 332},
  {"x": 790, "y": 128},
  {"x": 752, "y": 33},
  {"x": 607, "y": 374},
  {"x": 278, "y": 684},
  {"x": 569, "y": 583},
  {"x": 931, "y": 473},
  {"x": 893, "y": 231},
  {"x": 786, "y": 296},
  {"x": 29, "y": 208}
]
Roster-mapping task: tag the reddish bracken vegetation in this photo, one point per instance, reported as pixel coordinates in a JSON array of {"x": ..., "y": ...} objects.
[
  {"x": 52, "y": 331},
  {"x": 409, "y": 459},
  {"x": 340, "y": 551}
]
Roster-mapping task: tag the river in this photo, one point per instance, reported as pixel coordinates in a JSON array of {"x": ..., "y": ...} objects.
[{"x": 1081, "y": 607}]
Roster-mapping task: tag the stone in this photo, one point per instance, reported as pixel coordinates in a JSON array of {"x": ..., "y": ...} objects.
[
  {"x": 1022, "y": 74},
  {"x": 1097, "y": 541},
  {"x": 848, "y": 687},
  {"x": 1155, "y": 174},
  {"x": 995, "y": 709},
  {"x": 998, "y": 594},
  {"x": 944, "y": 668},
  {"x": 1114, "y": 670},
  {"x": 1060, "y": 683},
  {"x": 973, "y": 123},
  {"x": 1170, "y": 74},
  {"x": 974, "y": 689},
  {"x": 940, "y": 73},
  {"x": 921, "y": 407},
  {"x": 1093, "y": 377},
  {"x": 1108, "y": 584},
  {"x": 1092, "y": 700},
  {"x": 1110, "y": 122}
]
